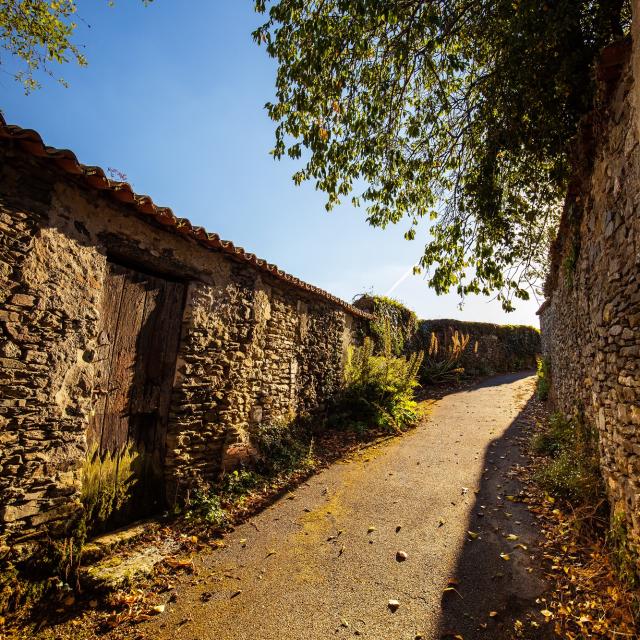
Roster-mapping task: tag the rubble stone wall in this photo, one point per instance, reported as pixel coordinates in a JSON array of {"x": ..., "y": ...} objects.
[
  {"x": 253, "y": 348},
  {"x": 591, "y": 319},
  {"x": 492, "y": 348}
]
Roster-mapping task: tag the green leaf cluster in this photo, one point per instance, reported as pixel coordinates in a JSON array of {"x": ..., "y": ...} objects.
[
  {"x": 393, "y": 323},
  {"x": 459, "y": 112},
  {"x": 38, "y": 33}
]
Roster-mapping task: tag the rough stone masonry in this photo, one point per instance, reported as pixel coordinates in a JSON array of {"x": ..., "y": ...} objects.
[
  {"x": 591, "y": 318},
  {"x": 491, "y": 348},
  {"x": 122, "y": 325},
  {"x": 252, "y": 344}
]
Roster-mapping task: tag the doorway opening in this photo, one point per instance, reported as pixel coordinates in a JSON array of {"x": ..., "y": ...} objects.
[{"x": 135, "y": 363}]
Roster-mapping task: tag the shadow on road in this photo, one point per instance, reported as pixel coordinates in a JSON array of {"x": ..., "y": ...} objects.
[{"x": 498, "y": 577}]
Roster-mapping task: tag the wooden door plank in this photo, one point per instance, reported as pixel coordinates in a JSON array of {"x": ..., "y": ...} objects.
[
  {"x": 169, "y": 337},
  {"x": 141, "y": 321},
  {"x": 110, "y": 307},
  {"x": 125, "y": 353},
  {"x": 159, "y": 340},
  {"x": 140, "y": 402}
]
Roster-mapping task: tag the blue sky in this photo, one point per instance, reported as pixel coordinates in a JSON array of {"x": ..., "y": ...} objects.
[{"x": 173, "y": 97}]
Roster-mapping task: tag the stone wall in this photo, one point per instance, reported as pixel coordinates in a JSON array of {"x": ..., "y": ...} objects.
[
  {"x": 254, "y": 348},
  {"x": 591, "y": 318},
  {"x": 391, "y": 318},
  {"x": 492, "y": 348}
]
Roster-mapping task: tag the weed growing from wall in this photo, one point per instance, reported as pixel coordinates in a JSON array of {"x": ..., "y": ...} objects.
[
  {"x": 572, "y": 471},
  {"x": 284, "y": 447},
  {"x": 569, "y": 265},
  {"x": 206, "y": 506},
  {"x": 107, "y": 483},
  {"x": 543, "y": 379},
  {"x": 625, "y": 555}
]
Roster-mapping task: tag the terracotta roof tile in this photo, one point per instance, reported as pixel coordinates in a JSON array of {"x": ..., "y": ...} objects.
[{"x": 95, "y": 177}]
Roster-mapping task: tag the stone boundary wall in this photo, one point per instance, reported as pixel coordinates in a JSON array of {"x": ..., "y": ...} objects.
[
  {"x": 492, "y": 348},
  {"x": 392, "y": 316},
  {"x": 591, "y": 318},
  {"x": 253, "y": 348}
]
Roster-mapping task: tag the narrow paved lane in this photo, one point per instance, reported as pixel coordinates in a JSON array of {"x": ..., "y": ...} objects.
[{"x": 321, "y": 562}]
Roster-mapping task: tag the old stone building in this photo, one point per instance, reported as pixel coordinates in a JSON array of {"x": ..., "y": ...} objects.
[
  {"x": 122, "y": 325},
  {"x": 591, "y": 319}
]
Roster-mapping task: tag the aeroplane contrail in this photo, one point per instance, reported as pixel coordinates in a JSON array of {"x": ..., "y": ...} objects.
[{"x": 400, "y": 280}]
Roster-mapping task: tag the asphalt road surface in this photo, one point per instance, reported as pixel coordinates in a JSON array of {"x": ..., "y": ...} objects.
[{"x": 322, "y": 562}]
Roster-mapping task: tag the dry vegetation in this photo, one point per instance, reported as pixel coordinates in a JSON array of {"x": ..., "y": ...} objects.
[{"x": 588, "y": 560}]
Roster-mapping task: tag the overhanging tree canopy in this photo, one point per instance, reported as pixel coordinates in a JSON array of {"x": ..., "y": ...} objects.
[
  {"x": 37, "y": 33},
  {"x": 460, "y": 111}
]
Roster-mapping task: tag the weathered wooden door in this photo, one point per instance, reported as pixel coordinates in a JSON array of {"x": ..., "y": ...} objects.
[{"x": 135, "y": 365}]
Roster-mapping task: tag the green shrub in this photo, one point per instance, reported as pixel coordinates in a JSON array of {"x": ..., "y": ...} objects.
[
  {"x": 573, "y": 470},
  {"x": 379, "y": 389},
  {"x": 206, "y": 506},
  {"x": 543, "y": 382},
  {"x": 283, "y": 447},
  {"x": 239, "y": 483},
  {"x": 442, "y": 363}
]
